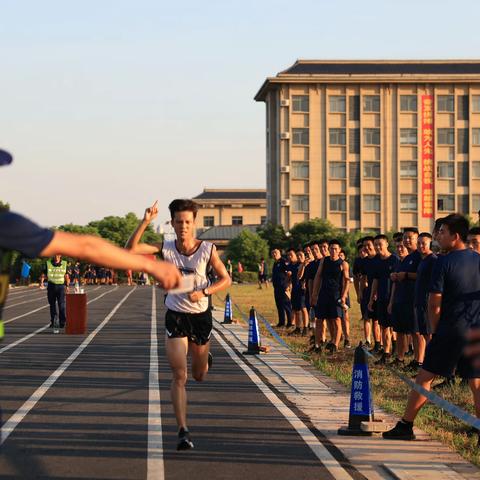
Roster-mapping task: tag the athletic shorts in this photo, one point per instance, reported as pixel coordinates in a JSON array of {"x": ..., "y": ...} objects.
[
  {"x": 421, "y": 324},
  {"x": 366, "y": 313},
  {"x": 197, "y": 327},
  {"x": 328, "y": 307},
  {"x": 298, "y": 301},
  {"x": 382, "y": 315},
  {"x": 444, "y": 356},
  {"x": 402, "y": 317}
]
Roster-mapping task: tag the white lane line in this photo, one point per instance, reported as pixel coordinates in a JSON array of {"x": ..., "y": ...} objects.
[
  {"x": 12, "y": 423},
  {"x": 38, "y": 299},
  {"x": 155, "y": 466},
  {"x": 23, "y": 295},
  {"x": 33, "y": 311},
  {"x": 308, "y": 437},
  {"x": 30, "y": 335}
]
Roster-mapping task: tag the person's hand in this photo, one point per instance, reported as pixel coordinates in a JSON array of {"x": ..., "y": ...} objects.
[
  {"x": 151, "y": 212},
  {"x": 344, "y": 300},
  {"x": 289, "y": 273},
  {"x": 389, "y": 308},
  {"x": 473, "y": 349},
  {"x": 196, "y": 296},
  {"x": 166, "y": 274},
  {"x": 401, "y": 276},
  {"x": 370, "y": 305},
  {"x": 393, "y": 277}
]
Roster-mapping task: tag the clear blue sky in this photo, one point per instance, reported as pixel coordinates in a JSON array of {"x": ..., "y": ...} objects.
[{"x": 108, "y": 105}]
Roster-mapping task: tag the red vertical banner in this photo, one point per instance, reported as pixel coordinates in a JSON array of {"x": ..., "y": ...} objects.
[{"x": 427, "y": 157}]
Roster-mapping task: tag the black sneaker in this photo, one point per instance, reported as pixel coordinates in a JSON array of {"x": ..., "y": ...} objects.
[
  {"x": 331, "y": 347},
  {"x": 346, "y": 344},
  {"x": 410, "y": 351},
  {"x": 449, "y": 382},
  {"x": 383, "y": 359},
  {"x": 312, "y": 340},
  {"x": 210, "y": 361},
  {"x": 304, "y": 331},
  {"x": 401, "y": 431},
  {"x": 376, "y": 348},
  {"x": 412, "y": 367},
  {"x": 367, "y": 344},
  {"x": 184, "y": 440},
  {"x": 397, "y": 363},
  {"x": 297, "y": 331}
]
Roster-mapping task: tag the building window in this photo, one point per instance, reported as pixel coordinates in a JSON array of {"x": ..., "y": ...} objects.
[
  {"x": 408, "y": 103},
  {"x": 354, "y": 140},
  {"x": 300, "y": 103},
  {"x": 208, "y": 221},
  {"x": 263, "y": 220},
  {"x": 371, "y": 169},
  {"x": 462, "y": 140},
  {"x": 337, "y": 103},
  {"x": 446, "y": 203},
  {"x": 475, "y": 203},
  {"x": 408, "y": 136},
  {"x": 371, "y": 136},
  {"x": 371, "y": 203},
  {"x": 371, "y": 103},
  {"x": 462, "y": 174},
  {"x": 237, "y": 220},
  {"x": 354, "y": 107},
  {"x": 462, "y": 204},
  {"x": 300, "y": 203},
  {"x": 476, "y": 103},
  {"x": 354, "y": 174},
  {"x": 462, "y": 107},
  {"x": 354, "y": 207},
  {"x": 445, "y": 103},
  {"x": 408, "y": 202},
  {"x": 336, "y": 136},
  {"x": 476, "y": 169},
  {"x": 475, "y": 136},
  {"x": 300, "y": 170},
  {"x": 445, "y": 169},
  {"x": 408, "y": 169},
  {"x": 338, "y": 170},
  {"x": 338, "y": 203},
  {"x": 300, "y": 136},
  {"x": 445, "y": 136}
]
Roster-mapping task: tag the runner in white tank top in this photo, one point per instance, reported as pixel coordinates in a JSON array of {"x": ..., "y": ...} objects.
[{"x": 188, "y": 321}]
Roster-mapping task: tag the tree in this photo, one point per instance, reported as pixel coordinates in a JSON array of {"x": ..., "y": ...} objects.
[
  {"x": 314, "y": 229},
  {"x": 4, "y": 206},
  {"x": 248, "y": 248},
  {"x": 274, "y": 234}
]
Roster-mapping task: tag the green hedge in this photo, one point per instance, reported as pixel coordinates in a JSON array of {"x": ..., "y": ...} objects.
[{"x": 246, "y": 277}]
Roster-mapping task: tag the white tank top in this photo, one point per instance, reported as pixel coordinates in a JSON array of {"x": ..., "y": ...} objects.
[{"x": 197, "y": 264}]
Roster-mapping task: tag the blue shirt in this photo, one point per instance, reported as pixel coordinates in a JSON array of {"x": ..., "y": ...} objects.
[
  {"x": 405, "y": 290},
  {"x": 279, "y": 275},
  {"x": 457, "y": 278},
  {"x": 298, "y": 286},
  {"x": 384, "y": 267},
  {"x": 368, "y": 267},
  {"x": 424, "y": 275}
]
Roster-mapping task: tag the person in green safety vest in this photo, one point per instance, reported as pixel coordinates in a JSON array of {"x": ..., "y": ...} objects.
[{"x": 58, "y": 281}]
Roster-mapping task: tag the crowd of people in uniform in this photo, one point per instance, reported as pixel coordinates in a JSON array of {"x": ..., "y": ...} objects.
[{"x": 419, "y": 296}]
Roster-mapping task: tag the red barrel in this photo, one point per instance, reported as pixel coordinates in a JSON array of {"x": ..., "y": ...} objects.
[{"x": 76, "y": 314}]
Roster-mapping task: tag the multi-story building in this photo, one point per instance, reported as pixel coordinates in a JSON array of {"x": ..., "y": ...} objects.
[
  {"x": 235, "y": 206},
  {"x": 373, "y": 145}
]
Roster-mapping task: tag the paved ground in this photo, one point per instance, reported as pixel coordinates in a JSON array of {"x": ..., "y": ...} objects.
[{"x": 97, "y": 406}]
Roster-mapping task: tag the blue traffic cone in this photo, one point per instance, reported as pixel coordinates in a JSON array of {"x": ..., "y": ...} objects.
[
  {"x": 361, "y": 400},
  {"x": 227, "y": 317},
  {"x": 253, "y": 334}
]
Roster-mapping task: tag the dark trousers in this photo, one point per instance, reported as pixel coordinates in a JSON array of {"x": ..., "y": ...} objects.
[
  {"x": 284, "y": 306},
  {"x": 56, "y": 294}
]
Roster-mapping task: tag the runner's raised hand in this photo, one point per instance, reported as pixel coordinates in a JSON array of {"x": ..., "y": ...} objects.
[{"x": 151, "y": 212}]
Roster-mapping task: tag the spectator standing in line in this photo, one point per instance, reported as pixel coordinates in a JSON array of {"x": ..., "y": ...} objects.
[
  {"x": 280, "y": 281},
  {"x": 474, "y": 239},
  {"x": 346, "y": 315},
  {"x": 300, "y": 315}
]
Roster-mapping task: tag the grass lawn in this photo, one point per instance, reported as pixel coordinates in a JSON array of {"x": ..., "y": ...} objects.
[{"x": 389, "y": 392}]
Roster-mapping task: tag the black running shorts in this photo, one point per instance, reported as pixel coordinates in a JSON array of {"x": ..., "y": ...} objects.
[{"x": 197, "y": 327}]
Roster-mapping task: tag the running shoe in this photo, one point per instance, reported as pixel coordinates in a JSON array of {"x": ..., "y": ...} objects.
[
  {"x": 412, "y": 367},
  {"x": 304, "y": 331},
  {"x": 410, "y": 351},
  {"x": 312, "y": 340},
  {"x": 346, "y": 344},
  {"x": 401, "y": 431},
  {"x": 331, "y": 347},
  {"x": 184, "y": 440},
  {"x": 210, "y": 361},
  {"x": 297, "y": 331},
  {"x": 383, "y": 359},
  {"x": 397, "y": 363}
]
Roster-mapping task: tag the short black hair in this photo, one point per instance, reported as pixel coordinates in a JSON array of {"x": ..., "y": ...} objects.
[
  {"x": 322, "y": 241},
  {"x": 307, "y": 245},
  {"x": 334, "y": 241},
  {"x": 381, "y": 236},
  {"x": 474, "y": 231},
  {"x": 397, "y": 236},
  {"x": 368, "y": 238},
  {"x": 360, "y": 241},
  {"x": 425, "y": 235},
  {"x": 183, "y": 205},
  {"x": 438, "y": 224},
  {"x": 410, "y": 229},
  {"x": 291, "y": 249},
  {"x": 359, "y": 247},
  {"x": 343, "y": 251},
  {"x": 457, "y": 224}
]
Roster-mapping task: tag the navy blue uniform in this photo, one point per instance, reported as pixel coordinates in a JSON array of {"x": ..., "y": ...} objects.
[
  {"x": 280, "y": 283},
  {"x": 384, "y": 267},
  {"x": 457, "y": 277},
  {"x": 331, "y": 290},
  {"x": 298, "y": 287},
  {"x": 368, "y": 267},
  {"x": 18, "y": 233},
  {"x": 424, "y": 275},
  {"x": 403, "y": 309}
]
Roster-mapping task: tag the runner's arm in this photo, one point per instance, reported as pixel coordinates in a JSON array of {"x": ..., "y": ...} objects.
[
  {"x": 317, "y": 282},
  {"x": 100, "y": 252},
  {"x": 434, "y": 308},
  {"x": 346, "y": 280}
]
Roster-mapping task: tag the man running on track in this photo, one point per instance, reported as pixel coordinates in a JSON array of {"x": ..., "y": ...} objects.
[{"x": 188, "y": 321}]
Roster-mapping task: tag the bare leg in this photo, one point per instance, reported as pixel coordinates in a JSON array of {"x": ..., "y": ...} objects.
[
  {"x": 387, "y": 341},
  {"x": 346, "y": 325},
  {"x": 337, "y": 328},
  {"x": 177, "y": 350},
  {"x": 376, "y": 331},
  {"x": 367, "y": 330},
  {"x": 415, "y": 400},
  {"x": 305, "y": 317},
  {"x": 419, "y": 345},
  {"x": 199, "y": 360},
  {"x": 402, "y": 345},
  {"x": 475, "y": 388}
]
